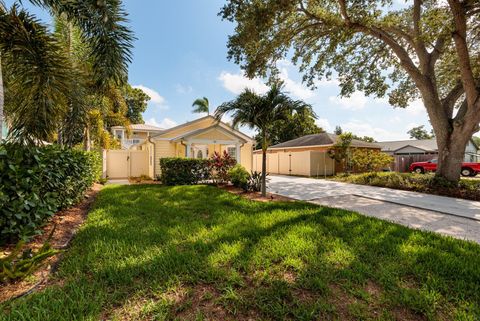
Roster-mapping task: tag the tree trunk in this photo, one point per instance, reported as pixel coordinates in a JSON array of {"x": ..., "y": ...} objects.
[
  {"x": 2, "y": 100},
  {"x": 264, "y": 166},
  {"x": 87, "y": 139},
  {"x": 451, "y": 149},
  {"x": 60, "y": 138},
  {"x": 450, "y": 155},
  {"x": 452, "y": 132}
]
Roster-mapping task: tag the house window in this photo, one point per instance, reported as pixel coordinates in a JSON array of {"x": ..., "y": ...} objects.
[
  {"x": 200, "y": 154},
  {"x": 119, "y": 134},
  {"x": 232, "y": 151}
]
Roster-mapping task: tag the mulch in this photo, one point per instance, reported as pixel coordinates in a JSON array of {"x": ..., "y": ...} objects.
[
  {"x": 256, "y": 196},
  {"x": 66, "y": 224}
]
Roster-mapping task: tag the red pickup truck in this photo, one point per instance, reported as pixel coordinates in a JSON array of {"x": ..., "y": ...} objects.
[{"x": 468, "y": 169}]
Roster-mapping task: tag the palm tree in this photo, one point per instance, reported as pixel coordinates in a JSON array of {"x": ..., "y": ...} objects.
[
  {"x": 201, "y": 105},
  {"x": 38, "y": 78},
  {"x": 261, "y": 113}
]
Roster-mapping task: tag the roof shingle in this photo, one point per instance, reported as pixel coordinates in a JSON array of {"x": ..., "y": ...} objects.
[
  {"x": 321, "y": 139},
  {"x": 428, "y": 145}
]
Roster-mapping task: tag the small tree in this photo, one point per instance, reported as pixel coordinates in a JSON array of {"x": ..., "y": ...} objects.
[
  {"x": 341, "y": 151},
  {"x": 420, "y": 133},
  {"x": 220, "y": 165},
  {"x": 370, "y": 160},
  {"x": 261, "y": 113}
]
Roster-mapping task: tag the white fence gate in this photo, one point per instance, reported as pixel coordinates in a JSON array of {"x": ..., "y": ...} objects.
[{"x": 126, "y": 163}]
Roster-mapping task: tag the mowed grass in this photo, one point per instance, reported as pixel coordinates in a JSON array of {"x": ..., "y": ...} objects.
[{"x": 199, "y": 253}]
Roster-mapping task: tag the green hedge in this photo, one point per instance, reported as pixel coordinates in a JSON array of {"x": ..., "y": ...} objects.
[
  {"x": 36, "y": 182},
  {"x": 184, "y": 171}
]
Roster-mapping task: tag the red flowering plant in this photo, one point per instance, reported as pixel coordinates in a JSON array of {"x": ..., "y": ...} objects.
[{"x": 220, "y": 164}]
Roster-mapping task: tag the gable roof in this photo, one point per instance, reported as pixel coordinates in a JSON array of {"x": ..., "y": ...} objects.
[
  {"x": 141, "y": 127},
  {"x": 146, "y": 127},
  {"x": 206, "y": 129},
  {"x": 428, "y": 145},
  {"x": 322, "y": 139},
  {"x": 217, "y": 123}
]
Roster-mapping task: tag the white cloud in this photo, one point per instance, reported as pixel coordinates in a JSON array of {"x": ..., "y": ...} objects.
[
  {"x": 356, "y": 101},
  {"x": 165, "y": 123},
  {"x": 237, "y": 83},
  {"x": 324, "y": 123},
  {"x": 380, "y": 134},
  {"x": 180, "y": 89},
  {"x": 297, "y": 89},
  {"x": 416, "y": 108},
  {"x": 155, "y": 97}
]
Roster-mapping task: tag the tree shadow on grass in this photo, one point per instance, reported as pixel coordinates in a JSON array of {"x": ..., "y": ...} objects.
[{"x": 278, "y": 259}]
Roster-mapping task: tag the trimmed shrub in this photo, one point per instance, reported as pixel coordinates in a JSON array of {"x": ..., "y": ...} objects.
[
  {"x": 370, "y": 160},
  {"x": 36, "y": 182},
  {"x": 255, "y": 181},
  {"x": 239, "y": 176},
  {"x": 220, "y": 164},
  {"x": 184, "y": 171}
]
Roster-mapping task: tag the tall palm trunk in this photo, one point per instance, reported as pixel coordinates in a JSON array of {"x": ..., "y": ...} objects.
[
  {"x": 2, "y": 101},
  {"x": 264, "y": 165}
]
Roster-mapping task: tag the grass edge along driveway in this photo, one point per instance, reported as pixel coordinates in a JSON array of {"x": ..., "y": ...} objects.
[{"x": 196, "y": 252}]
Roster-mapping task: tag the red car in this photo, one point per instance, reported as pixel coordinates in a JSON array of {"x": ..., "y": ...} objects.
[{"x": 468, "y": 169}]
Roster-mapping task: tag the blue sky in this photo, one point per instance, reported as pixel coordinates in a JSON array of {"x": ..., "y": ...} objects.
[{"x": 181, "y": 54}]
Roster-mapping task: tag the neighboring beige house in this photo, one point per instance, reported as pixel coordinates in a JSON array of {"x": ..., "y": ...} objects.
[
  {"x": 425, "y": 147},
  {"x": 305, "y": 156},
  {"x": 136, "y": 134},
  {"x": 196, "y": 139}
]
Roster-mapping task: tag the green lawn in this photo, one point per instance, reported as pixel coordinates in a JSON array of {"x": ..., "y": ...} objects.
[{"x": 154, "y": 253}]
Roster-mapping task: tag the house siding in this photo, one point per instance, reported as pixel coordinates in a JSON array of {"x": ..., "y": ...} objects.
[
  {"x": 165, "y": 148},
  {"x": 203, "y": 123},
  {"x": 214, "y": 134}
]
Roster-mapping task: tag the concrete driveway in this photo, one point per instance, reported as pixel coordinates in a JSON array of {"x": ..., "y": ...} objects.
[{"x": 450, "y": 216}]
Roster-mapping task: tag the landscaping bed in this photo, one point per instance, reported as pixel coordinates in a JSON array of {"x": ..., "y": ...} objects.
[
  {"x": 150, "y": 252},
  {"x": 65, "y": 224},
  {"x": 424, "y": 183}
]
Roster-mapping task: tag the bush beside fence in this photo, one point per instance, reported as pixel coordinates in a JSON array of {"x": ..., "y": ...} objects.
[{"x": 36, "y": 182}]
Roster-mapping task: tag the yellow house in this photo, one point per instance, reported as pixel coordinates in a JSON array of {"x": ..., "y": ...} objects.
[{"x": 200, "y": 138}]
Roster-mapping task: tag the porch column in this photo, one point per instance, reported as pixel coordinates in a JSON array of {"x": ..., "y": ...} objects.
[
  {"x": 237, "y": 153},
  {"x": 188, "y": 150}
]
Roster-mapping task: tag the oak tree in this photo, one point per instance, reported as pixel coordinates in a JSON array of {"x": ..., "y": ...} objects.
[{"x": 426, "y": 49}]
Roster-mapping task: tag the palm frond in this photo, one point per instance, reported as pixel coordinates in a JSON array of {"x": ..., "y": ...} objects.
[
  {"x": 36, "y": 76},
  {"x": 201, "y": 105},
  {"x": 103, "y": 26}
]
